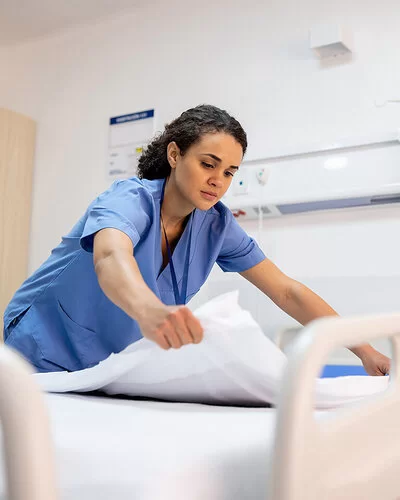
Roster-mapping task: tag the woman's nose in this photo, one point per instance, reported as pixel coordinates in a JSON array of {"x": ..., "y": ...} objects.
[{"x": 215, "y": 181}]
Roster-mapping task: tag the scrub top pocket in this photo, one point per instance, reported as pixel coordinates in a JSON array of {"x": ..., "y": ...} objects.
[
  {"x": 85, "y": 347},
  {"x": 12, "y": 325}
]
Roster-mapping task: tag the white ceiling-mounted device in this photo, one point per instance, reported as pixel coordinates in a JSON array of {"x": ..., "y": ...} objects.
[
  {"x": 344, "y": 178},
  {"x": 330, "y": 40}
]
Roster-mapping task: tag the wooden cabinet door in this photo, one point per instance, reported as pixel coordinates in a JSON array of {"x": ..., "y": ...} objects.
[{"x": 17, "y": 144}]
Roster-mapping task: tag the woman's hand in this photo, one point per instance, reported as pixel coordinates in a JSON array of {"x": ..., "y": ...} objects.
[
  {"x": 376, "y": 363},
  {"x": 170, "y": 326}
]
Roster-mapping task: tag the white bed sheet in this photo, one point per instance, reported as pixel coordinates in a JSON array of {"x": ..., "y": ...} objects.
[
  {"x": 109, "y": 448},
  {"x": 124, "y": 449},
  {"x": 234, "y": 364}
]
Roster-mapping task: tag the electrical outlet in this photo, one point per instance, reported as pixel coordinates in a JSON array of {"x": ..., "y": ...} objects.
[{"x": 240, "y": 184}]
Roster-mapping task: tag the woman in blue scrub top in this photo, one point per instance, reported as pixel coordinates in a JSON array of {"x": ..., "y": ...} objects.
[{"x": 143, "y": 248}]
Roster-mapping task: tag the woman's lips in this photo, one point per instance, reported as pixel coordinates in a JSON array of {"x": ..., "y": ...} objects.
[{"x": 208, "y": 196}]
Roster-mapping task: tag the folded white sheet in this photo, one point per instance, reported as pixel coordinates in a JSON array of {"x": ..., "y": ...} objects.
[{"x": 234, "y": 364}]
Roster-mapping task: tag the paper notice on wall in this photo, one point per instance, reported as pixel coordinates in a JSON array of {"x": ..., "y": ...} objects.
[{"x": 128, "y": 135}]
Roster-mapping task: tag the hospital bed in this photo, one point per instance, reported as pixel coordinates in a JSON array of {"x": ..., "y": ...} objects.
[{"x": 73, "y": 446}]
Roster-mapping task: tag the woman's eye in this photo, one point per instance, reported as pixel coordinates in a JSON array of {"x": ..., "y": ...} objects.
[
  {"x": 207, "y": 165},
  {"x": 229, "y": 174}
]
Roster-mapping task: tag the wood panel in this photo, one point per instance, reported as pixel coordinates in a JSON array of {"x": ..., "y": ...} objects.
[{"x": 17, "y": 143}]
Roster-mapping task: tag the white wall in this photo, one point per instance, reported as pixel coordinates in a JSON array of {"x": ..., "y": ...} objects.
[{"x": 248, "y": 57}]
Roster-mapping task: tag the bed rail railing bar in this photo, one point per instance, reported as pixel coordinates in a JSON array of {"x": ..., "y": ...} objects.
[
  {"x": 28, "y": 453},
  {"x": 296, "y": 425}
]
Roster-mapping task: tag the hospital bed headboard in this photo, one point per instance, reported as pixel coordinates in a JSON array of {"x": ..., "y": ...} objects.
[
  {"x": 26, "y": 434},
  {"x": 331, "y": 456}
]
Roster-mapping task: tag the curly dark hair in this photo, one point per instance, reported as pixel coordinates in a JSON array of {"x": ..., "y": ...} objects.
[{"x": 186, "y": 130}]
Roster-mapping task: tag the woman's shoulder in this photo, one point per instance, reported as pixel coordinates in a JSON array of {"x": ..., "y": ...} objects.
[
  {"x": 220, "y": 210},
  {"x": 219, "y": 218},
  {"x": 132, "y": 188},
  {"x": 153, "y": 187}
]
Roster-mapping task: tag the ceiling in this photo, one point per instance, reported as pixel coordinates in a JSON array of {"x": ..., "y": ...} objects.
[{"x": 23, "y": 20}]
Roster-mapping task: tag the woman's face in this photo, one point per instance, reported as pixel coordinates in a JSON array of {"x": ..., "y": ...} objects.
[{"x": 204, "y": 173}]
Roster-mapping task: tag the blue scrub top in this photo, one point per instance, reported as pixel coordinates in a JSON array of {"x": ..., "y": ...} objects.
[{"x": 60, "y": 319}]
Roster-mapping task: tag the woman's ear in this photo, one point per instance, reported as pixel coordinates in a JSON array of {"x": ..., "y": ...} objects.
[{"x": 172, "y": 153}]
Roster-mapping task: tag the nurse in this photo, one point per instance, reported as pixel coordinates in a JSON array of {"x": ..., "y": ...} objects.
[{"x": 143, "y": 248}]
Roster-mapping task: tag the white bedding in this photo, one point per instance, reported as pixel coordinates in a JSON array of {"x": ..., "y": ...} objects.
[
  {"x": 108, "y": 448},
  {"x": 234, "y": 364},
  {"x": 115, "y": 449}
]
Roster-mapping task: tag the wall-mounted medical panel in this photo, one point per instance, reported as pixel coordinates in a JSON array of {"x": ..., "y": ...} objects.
[{"x": 344, "y": 178}]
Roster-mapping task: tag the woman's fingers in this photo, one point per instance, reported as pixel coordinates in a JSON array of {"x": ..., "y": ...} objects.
[
  {"x": 179, "y": 323},
  {"x": 171, "y": 335},
  {"x": 184, "y": 328},
  {"x": 163, "y": 342},
  {"x": 172, "y": 327},
  {"x": 194, "y": 326}
]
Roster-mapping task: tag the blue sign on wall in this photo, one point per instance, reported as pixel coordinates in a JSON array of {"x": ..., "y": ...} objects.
[{"x": 141, "y": 115}]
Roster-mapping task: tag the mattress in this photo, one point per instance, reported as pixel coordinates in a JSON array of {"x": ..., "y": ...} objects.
[{"x": 113, "y": 448}]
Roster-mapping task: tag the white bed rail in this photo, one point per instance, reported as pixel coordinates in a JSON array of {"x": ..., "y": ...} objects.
[
  {"x": 349, "y": 454},
  {"x": 28, "y": 453}
]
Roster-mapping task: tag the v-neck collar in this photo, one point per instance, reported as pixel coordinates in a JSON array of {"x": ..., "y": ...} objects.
[{"x": 179, "y": 251}]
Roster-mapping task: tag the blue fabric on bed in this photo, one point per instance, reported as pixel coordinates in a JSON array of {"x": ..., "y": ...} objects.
[{"x": 331, "y": 371}]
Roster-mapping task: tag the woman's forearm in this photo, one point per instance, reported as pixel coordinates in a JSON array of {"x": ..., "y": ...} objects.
[
  {"x": 304, "y": 305},
  {"x": 120, "y": 279}
]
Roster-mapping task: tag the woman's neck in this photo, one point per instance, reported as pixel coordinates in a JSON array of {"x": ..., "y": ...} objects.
[{"x": 174, "y": 210}]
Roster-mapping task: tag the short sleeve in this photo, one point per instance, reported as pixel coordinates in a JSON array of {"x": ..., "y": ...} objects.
[
  {"x": 126, "y": 206},
  {"x": 239, "y": 251}
]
